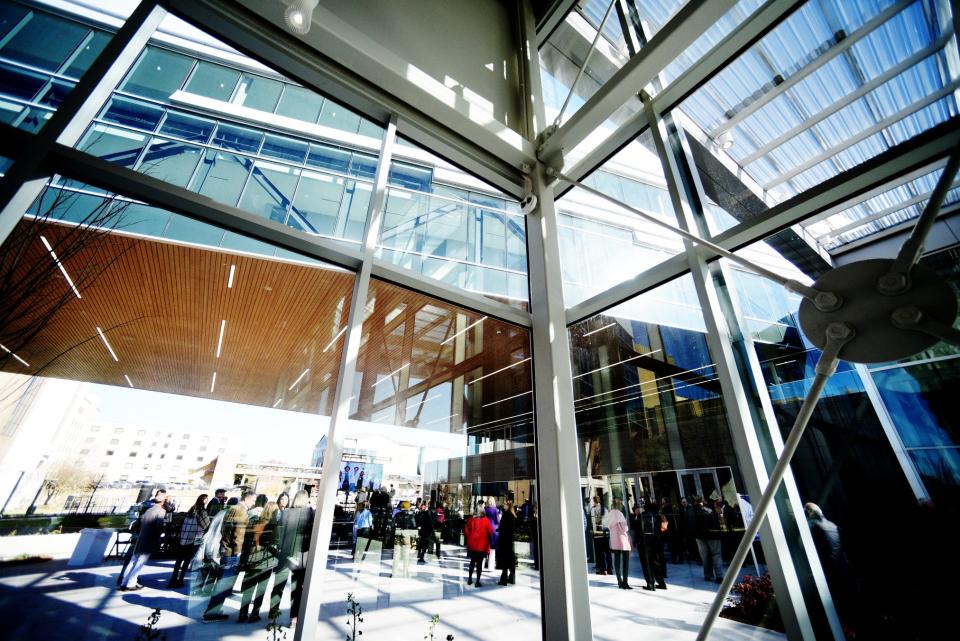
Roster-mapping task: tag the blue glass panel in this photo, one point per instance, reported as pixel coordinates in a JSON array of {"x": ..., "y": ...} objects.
[
  {"x": 329, "y": 157},
  {"x": 170, "y": 161},
  {"x": 221, "y": 176},
  {"x": 133, "y": 113},
  {"x": 20, "y": 83},
  {"x": 141, "y": 219},
  {"x": 157, "y": 74},
  {"x": 187, "y": 127},
  {"x": 921, "y": 400},
  {"x": 244, "y": 244},
  {"x": 213, "y": 81},
  {"x": 87, "y": 54},
  {"x": 56, "y": 93},
  {"x": 257, "y": 92},
  {"x": 44, "y": 42},
  {"x": 70, "y": 206},
  {"x": 10, "y": 15},
  {"x": 238, "y": 138},
  {"x": 34, "y": 118},
  {"x": 113, "y": 144},
  {"x": 363, "y": 165},
  {"x": 333, "y": 115},
  {"x": 356, "y": 200},
  {"x": 414, "y": 177},
  {"x": 269, "y": 191},
  {"x": 299, "y": 103},
  {"x": 284, "y": 148}
]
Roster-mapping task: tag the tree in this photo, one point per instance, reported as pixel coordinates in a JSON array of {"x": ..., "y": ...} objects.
[{"x": 65, "y": 476}]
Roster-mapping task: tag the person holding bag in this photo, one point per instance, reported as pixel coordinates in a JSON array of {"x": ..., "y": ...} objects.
[
  {"x": 194, "y": 526},
  {"x": 616, "y": 523}
]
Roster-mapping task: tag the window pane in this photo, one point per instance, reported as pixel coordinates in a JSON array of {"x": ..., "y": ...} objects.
[
  {"x": 56, "y": 93},
  {"x": 87, "y": 54},
  {"x": 356, "y": 201},
  {"x": 329, "y": 157},
  {"x": 157, "y": 74},
  {"x": 258, "y": 92},
  {"x": 283, "y": 148},
  {"x": 363, "y": 165},
  {"x": 333, "y": 115},
  {"x": 187, "y": 127},
  {"x": 238, "y": 138},
  {"x": 113, "y": 144},
  {"x": 269, "y": 191},
  {"x": 10, "y": 15},
  {"x": 142, "y": 219},
  {"x": 192, "y": 231},
  {"x": 299, "y": 103},
  {"x": 317, "y": 204},
  {"x": 20, "y": 83},
  {"x": 414, "y": 177},
  {"x": 170, "y": 161},
  {"x": 44, "y": 42},
  {"x": 133, "y": 113},
  {"x": 221, "y": 176},
  {"x": 213, "y": 81}
]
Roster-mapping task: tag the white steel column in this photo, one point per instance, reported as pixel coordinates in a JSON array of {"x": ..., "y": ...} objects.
[
  {"x": 21, "y": 186},
  {"x": 737, "y": 402},
  {"x": 565, "y": 600},
  {"x": 309, "y": 613}
]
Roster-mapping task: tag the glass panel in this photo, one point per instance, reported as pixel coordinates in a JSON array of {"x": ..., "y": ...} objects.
[
  {"x": 157, "y": 74},
  {"x": 338, "y": 117},
  {"x": 299, "y": 103},
  {"x": 221, "y": 176},
  {"x": 329, "y": 157},
  {"x": 20, "y": 83},
  {"x": 283, "y": 148},
  {"x": 133, "y": 113},
  {"x": 269, "y": 191},
  {"x": 187, "y": 127},
  {"x": 257, "y": 92},
  {"x": 44, "y": 42},
  {"x": 10, "y": 16},
  {"x": 442, "y": 380},
  {"x": 213, "y": 81},
  {"x": 317, "y": 205},
  {"x": 117, "y": 145},
  {"x": 170, "y": 161},
  {"x": 87, "y": 54},
  {"x": 56, "y": 93},
  {"x": 169, "y": 401},
  {"x": 238, "y": 138},
  {"x": 662, "y": 487}
]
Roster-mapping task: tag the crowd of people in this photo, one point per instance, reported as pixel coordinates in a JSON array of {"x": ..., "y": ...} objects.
[
  {"x": 703, "y": 531},
  {"x": 220, "y": 539}
]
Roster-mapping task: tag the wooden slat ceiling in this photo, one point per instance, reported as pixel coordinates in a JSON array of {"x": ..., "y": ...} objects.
[{"x": 161, "y": 304}]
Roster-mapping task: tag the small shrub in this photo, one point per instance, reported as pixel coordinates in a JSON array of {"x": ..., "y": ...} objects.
[
  {"x": 355, "y": 612},
  {"x": 753, "y": 601}
]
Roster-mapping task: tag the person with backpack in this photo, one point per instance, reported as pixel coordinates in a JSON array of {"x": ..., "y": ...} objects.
[{"x": 194, "y": 526}]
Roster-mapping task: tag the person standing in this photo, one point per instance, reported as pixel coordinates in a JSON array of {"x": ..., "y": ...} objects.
[
  {"x": 424, "y": 532},
  {"x": 506, "y": 558},
  {"x": 217, "y": 503},
  {"x": 616, "y": 524},
  {"x": 601, "y": 546},
  {"x": 232, "y": 534},
  {"x": 708, "y": 540},
  {"x": 295, "y": 530},
  {"x": 194, "y": 526},
  {"x": 478, "y": 533},
  {"x": 362, "y": 526},
  {"x": 258, "y": 562},
  {"x": 152, "y": 524}
]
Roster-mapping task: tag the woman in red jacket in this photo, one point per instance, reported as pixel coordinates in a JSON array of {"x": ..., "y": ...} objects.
[{"x": 478, "y": 533}]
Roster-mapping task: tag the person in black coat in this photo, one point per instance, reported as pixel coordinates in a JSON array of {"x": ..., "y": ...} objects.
[
  {"x": 424, "y": 531},
  {"x": 506, "y": 558}
]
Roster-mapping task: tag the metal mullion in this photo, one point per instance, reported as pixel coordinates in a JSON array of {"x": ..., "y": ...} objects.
[
  {"x": 851, "y": 39},
  {"x": 878, "y": 127},
  {"x": 76, "y": 52},
  {"x": 687, "y": 197},
  {"x": 19, "y": 187},
  {"x": 864, "y": 89},
  {"x": 327, "y": 491},
  {"x": 565, "y": 599},
  {"x": 860, "y": 222},
  {"x": 15, "y": 29}
]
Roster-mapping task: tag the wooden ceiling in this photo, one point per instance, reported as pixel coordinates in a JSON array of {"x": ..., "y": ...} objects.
[{"x": 161, "y": 304}]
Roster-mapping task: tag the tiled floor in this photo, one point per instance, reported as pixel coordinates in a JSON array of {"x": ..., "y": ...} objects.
[{"x": 50, "y": 601}]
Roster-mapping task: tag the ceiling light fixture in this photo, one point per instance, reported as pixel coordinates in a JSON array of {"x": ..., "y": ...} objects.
[
  {"x": 223, "y": 325},
  {"x": 103, "y": 337},
  {"x": 60, "y": 265},
  {"x": 390, "y": 375},
  {"x": 277, "y": 402},
  {"x": 463, "y": 330},
  {"x": 725, "y": 140},
  {"x": 233, "y": 270},
  {"x": 502, "y": 369},
  {"x": 299, "y": 378},
  {"x": 128, "y": 380},
  {"x": 213, "y": 383},
  {"x": 335, "y": 338},
  {"x": 299, "y": 15},
  {"x": 25, "y": 363}
]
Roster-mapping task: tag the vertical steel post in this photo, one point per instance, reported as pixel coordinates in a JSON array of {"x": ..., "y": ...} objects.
[
  {"x": 309, "y": 614},
  {"x": 565, "y": 600}
]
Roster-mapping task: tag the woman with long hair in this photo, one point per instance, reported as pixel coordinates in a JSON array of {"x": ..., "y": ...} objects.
[
  {"x": 194, "y": 526},
  {"x": 260, "y": 561},
  {"x": 506, "y": 559}
]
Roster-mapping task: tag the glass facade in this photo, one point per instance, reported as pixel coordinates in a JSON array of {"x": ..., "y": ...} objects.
[{"x": 202, "y": 426}]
